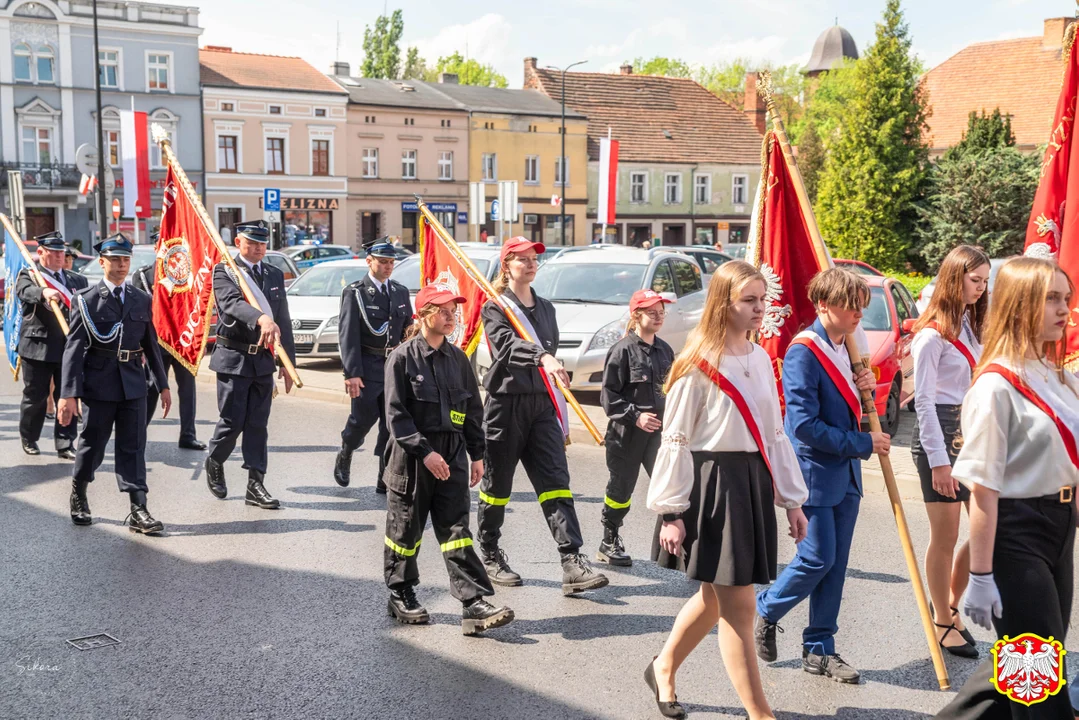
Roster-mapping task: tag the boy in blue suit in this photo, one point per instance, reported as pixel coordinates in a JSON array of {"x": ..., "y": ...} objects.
[{"x": 823, "y": 416}]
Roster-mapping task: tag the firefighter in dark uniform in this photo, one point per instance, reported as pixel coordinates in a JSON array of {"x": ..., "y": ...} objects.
[
  {"x": 374, "y": 313},
  {"x": 143, "y": 279},
  {"x": 70, "y": 253},
  {"x": 435, "y": 416},
  {"x": 245, "y": 363},
  {"x": 111, "y": 334},
  {"x": 41, "y": 345},
  {"x": 632, "y": 396}
]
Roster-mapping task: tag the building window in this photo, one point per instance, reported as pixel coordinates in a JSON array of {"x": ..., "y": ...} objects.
[
  {"x": 157, "y": 66},
  {"x": 168, "y": 122},
  {"x": 408, "y": 164},
  {"x": 320, "y": 112},
  {"x": 109, "y": 62},
  {"x": 702, "y": 189},
  {"x": 22, "y": 64},
  {"x": 638, "y": 187},
  {"x": 445, "y": 165},
  {"x": 490, "y": 167},
  {"x": 34, "y": 65},
  {"x": 320, "y": 157},
  {"x": 43, "y": 60},
  {"x": 532, "y": 170},
  {"x": 112, "y": 145},
  {"x": 37, "y": 145},
  {"x": 275, "y": 156},
  {"x": 275, "y": 109},
  {"x": 227, "y": 107},
  {"x": 368, "y": 118},
  {"x": 370, "y": 162},
  {"x": 226, "y": 154},
  {"x": 559, "y": 178},
  {"x": 672, "y": 188},
  {"x": 445, "y": 123},
  {"x": 410, "y": 121},
  {"x": 740, "y": 189}
]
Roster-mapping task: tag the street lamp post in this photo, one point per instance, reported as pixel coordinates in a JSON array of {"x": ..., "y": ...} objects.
[
  {"x": 562, "y": 162},
  {"x": 102, "y": 224}
]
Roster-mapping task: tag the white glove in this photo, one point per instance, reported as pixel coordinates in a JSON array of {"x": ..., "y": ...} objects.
[{"x": 982, "y": 599}]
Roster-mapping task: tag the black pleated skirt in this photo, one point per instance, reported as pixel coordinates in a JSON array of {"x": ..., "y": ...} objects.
[{"x": 730, "y": 524}]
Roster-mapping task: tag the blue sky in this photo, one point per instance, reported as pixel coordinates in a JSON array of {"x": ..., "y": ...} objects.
[{"x": 606, "y": 32}]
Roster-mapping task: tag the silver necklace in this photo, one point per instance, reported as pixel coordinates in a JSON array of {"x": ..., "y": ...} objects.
[{"x": 745, "y": 368}]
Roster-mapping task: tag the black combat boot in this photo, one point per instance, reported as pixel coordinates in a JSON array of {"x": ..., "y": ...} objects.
[
  {"x": 405, "y": 608},
  {"x": 342, "y": 466},
  {"x": 480, "y": 615},
  {"x": 611, "y": 549},
  {"x": 578, "y": 575},
  {"x": 80, "y": 506},
  {"x": 215, "y": 478},
  {"x": 257, "y": 494},
  {"x": 498, "y": 567},
  {"x": 141, "y": 521}
]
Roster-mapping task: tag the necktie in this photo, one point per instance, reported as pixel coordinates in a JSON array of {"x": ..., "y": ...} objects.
[
  {"x": 118, "y": 292},
  {"x": 256, "y": 272}
]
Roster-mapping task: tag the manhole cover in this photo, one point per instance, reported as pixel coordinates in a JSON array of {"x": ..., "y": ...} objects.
[{"x": 93, "y": 642}]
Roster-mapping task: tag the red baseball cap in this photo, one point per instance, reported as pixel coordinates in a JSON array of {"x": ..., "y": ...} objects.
[
  {"x": 646, "y": 298},
  {"x": 437, "y": 295},
  {"x": 520, "y": 244}
]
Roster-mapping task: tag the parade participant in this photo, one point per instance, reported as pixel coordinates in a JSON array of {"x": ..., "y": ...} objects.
[
  {"x": 823, "y": 415},
  {"x": 41, "y": 344},
  {"x": 522, "y": 422},
  {"x": 244, "y": 362},
  {"x": 143, "y": 279},
  {"x": 1019, "y": 461},
  {"x": 436, "y": 420},
  {"x": 111, "y": 333},
  {"x": 633, "y": 398},
  {"x": 70, "y": 253},
  {"x": 946, "y": 347},
  {"x": 723, "y": 462},
  {"x": 374, "y": 313}
]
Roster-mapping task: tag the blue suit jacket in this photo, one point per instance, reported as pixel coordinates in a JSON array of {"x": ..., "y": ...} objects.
[{"x": 822, "y": 428}]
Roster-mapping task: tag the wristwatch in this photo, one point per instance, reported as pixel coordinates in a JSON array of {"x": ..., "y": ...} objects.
[{"x": 671, "y": 517}]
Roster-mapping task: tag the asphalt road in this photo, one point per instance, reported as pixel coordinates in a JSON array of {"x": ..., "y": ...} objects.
[{"x": 245, "y": 613}]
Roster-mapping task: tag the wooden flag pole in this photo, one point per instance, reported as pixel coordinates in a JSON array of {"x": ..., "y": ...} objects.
[
  {"x": 764, "y": 87},
  {"x": 34, "y": 273},
  {"x": 481, "y": 280},
  {"x": 162, "y": 138}
]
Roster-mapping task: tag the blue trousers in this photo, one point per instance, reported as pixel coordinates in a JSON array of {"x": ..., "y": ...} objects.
[{"x": 817, "y": 571}]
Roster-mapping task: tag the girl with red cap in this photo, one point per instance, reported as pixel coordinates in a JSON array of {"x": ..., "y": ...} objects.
[{"x": 633, "y": 399}]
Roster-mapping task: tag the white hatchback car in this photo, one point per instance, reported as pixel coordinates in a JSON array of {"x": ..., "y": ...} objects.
[{"x": 314, "y": 304}]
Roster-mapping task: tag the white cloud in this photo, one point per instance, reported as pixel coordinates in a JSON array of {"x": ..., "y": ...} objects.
[
  {"x": 486, "y": 39},
  {"x": 763, "y": 48}
]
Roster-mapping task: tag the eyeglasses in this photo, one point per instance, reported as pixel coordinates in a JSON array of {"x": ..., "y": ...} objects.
[
  {"x": 447, "y": 314},
  {"x": 656, "y": 314}
]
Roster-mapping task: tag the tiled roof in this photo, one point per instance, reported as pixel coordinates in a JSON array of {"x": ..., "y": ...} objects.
[
  {"x": 657, "y": 119},
  {"x": 224, "y": 68},
  {"x": 1021, "y": 77},
  {"x": 502, "y": 100}
]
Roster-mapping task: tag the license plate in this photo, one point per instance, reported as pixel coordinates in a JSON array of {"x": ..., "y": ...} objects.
[{"x": 303, "y": 339}]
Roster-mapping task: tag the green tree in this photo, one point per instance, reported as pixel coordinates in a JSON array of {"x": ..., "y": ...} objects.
[
  {"x": 810, "y": 159},
  {"x": 415, "y": 66},
  {"x": 874, "y": 170},
  {"x": 985, "y": 132},
  {"x": 469, "y": 72},
  {"x": 382, "y": 47},
  {"x": 667, "y": 67}
]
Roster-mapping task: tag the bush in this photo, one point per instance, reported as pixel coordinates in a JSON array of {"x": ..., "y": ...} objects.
[{"x": 914, "y": 282}]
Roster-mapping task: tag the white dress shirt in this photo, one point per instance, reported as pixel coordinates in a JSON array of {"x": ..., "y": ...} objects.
[
  {"x": 112, "y": 289},
  {"x": 941, "y": 377},
  {"x": 1011, "y": 446},
  {"x": 701, "y": 417}
]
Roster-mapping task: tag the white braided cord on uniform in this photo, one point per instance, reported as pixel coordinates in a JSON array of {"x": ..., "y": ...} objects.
[
  {"x": 363, "y": 313},
  {"x": 95, "y": 334}
]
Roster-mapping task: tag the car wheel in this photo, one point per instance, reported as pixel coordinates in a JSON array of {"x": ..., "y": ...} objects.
[{"x": 890, "y": 421}]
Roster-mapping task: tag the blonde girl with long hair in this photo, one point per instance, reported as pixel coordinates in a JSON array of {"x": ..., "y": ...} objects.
[{"x": 723, "y": 462}]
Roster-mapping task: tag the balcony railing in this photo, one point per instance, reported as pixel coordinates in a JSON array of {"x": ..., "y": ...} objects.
[{"x": 43, "y": 177}]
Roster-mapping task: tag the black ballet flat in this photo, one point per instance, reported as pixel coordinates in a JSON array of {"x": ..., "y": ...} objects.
[
  {"x": 966, "y": 650},
  {"x": 671, "y": 709}
]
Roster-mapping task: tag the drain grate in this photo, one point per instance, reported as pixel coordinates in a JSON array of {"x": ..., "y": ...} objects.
[{"x": 93, "y": 642}]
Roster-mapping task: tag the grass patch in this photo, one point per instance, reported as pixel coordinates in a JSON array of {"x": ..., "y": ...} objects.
[{"x": 914, "y": 282}]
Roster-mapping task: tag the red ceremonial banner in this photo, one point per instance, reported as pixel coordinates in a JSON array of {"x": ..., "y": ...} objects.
[
  {"x": 438, "y": 265},
  {"x": 1052, "y": 232},
  {"x": 183, "y": 278}
]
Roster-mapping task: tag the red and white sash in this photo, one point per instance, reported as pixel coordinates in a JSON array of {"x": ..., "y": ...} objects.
[
  {"x": 65, "y": 294},
  {"x": 1037, "y": 392},
  {"x": 745, "y": 404},
  {"x": 833, "y": 363},
  {"x": 557, "y": 398},
  {"x": 962, "y": 347}
]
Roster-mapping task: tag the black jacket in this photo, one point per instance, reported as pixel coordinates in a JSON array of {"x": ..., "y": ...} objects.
[
  {"x": 362, "y": 297},
  {"x": 143, "y": 279},
  {"x": 42, "y": 338},
  {"x": 633, "y": 377},
  {"x": 91, "y": 375},
  {"x": 432, "y": 391},
  {"x": 515, "y": 364},
  {"x": 238, "y": 320}
]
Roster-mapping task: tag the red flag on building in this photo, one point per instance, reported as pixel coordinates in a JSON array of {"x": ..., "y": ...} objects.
[
  {"x": 608, "y": 181},
  {"x": 439, "y": 265},
  {"x": 135, "y": 155},
  {"x": 1052, "y": 232},
  {"x": 183, "y": 277}
]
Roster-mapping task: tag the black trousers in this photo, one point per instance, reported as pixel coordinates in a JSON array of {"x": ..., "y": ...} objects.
[
  {"x": 367, "y": 409},
  {"x": 413, "y": 495},
  {"x": 525, "y": 429},
  {"x": 126, "y": 420},
  {"x": 37, "y": 375},
  {"x": 185, "y": 390},
  {"x": 628, "y": 447},
  {"x": 1032, "y": 566},
  {"x": 244, "y": 405}
]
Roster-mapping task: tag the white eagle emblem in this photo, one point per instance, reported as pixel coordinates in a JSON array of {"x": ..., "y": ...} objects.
[
  {"x": 448, "y": 281},
  {"x": 775, "y": 315},
  {"x": 1026, "y": 673}
]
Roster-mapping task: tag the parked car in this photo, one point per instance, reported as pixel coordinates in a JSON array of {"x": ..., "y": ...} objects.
[
  {"x": 482, "y": 255},
  {"x": 735, "y": 250},
  {"x": 141, "y": 255},
  {"x": 858, "y": 267},
  {"x": 279, "y": 260},
  {"x": 890, "y": 304},
  {"x": 707, "y": 257},
  {"x": 927, "y": 291},
  {"x": 306, "y": 256},
  {"x": 314, "y": 304}
]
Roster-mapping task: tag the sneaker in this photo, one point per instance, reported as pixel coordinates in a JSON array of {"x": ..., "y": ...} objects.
[
  {"x": 498, "y": 568},
  {"x": 764, "y": 637},
  {"x": 482, "y": 615},
  {"x": 830, "y": 666},
  {"x": 578, "y": 575}
]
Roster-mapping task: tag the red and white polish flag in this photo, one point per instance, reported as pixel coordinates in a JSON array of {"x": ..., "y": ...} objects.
[
  {"x": 608, "y": 180},
  {"x": 135, "y": 154},
  {"x": 87, "y": 184}
]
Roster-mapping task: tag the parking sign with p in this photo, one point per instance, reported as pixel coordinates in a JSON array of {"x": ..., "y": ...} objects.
[{"x": 271, "y": 200}]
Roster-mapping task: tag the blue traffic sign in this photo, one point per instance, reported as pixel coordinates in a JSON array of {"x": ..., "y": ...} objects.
[
  {"x": 494, "y": 209},
  {"x": 271, "y": 200}
]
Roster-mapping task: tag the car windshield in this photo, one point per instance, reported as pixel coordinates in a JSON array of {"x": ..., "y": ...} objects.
[
  {"x": 589, "y": 282},
  {"x": 877, "y": 316},
  {"x": 141, "y": 256},
  {"x": 407, "y": 272},
  {"x": 327, "y": 280}
]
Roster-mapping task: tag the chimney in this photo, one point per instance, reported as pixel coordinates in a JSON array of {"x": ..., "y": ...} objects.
[
  {"x": 531, "y": 80},
  {"x": 1053, "y": 35},
  {"x": 755, "y": 109},
  {"x": 223, "y": 48},
  {"x": 626, "y": 69},
  {"x": 447, "y": 78},
  {"x": 340, "y": 69}
]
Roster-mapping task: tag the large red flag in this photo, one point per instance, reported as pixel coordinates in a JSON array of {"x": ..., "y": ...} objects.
[
  {"x": 183, "y": 277},
  {"x": 1052, "y": 232},
  {"x": 440, "y": 266}
]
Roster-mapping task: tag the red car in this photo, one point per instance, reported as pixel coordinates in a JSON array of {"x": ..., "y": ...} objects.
[
  {"x": 890, "y": 304},
  {"x": 858, "y": 267}
]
